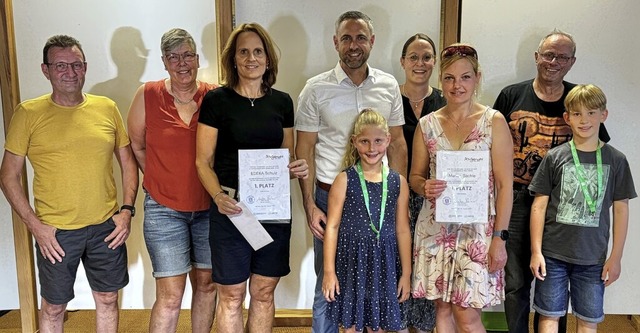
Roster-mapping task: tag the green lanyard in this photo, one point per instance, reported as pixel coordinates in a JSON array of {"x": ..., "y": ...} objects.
[
  {"x": 581, "y": 174},
  {"x": 365, "y": 192}
]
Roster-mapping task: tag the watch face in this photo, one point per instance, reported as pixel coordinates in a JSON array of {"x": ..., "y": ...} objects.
[{"x": 503, "y": 234}]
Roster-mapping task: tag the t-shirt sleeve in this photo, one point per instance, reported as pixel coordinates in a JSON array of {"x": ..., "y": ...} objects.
[
  {"x": 122, "y": 138},
  {"x": 307, "y": 117},
  {"x": 207, "y": 108},
  {"x": 288, "y": 111},
  {"x": 502, "y": 103},
  {"x": 624, "y": 188},
  {"x": 18, "y": 133},
  {"x": 397, "y": 112},
  {"x": 603, "y": 134}
]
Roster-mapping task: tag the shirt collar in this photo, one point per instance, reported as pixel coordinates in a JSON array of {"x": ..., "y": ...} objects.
[{"x": 341, "y": 75}]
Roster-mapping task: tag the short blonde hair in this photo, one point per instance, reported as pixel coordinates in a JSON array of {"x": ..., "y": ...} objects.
[{"x": 587, "y": 96}]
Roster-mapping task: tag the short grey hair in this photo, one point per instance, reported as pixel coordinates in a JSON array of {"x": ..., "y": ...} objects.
[
  {"x": 558, "y": 32},
  {"x": 355, "y": 15},
  {"x": 174, "y": 38}
]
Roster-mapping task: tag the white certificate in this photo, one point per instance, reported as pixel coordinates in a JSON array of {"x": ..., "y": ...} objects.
[
  {"x": 466, "y": 197},
  {"x": 264, "y": 183},
  {"x": 250, "y": 227}
]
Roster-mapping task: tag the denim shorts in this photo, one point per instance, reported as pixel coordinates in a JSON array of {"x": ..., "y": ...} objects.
[
  {"x": 176, "y": 241},
  {"x": 106, "y": 269},
  {"x": 585, "y": 286}
]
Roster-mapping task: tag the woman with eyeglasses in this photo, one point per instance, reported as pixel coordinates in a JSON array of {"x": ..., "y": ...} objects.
[
  {"x": 460, "y": 264},
  {"x": 245, "y": 113},
  {"x": 419, "y": 99},
  {"x": 162, "y": 125}
]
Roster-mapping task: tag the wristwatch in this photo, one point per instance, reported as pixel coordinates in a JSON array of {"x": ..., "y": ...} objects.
[
  {"x": 503, "y": 234},
  {"x": 130, "y": 208}
]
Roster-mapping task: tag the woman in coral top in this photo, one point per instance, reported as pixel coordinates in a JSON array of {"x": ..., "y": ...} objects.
[{"x": 162, "y": 125}]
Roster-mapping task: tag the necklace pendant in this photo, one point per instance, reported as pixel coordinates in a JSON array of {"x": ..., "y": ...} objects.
[{"x": 251, "y": 103}]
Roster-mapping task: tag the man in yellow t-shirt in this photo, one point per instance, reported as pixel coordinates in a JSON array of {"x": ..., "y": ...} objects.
[{"x": 70, "y": 139}]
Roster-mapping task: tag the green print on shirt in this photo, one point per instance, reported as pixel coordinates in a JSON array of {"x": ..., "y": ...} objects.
[{"x": 573, "y": 208}]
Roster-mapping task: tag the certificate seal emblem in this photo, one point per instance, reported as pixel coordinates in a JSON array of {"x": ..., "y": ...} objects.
[
  {"x": 251, "y": 199},
  {"x": 447, "y": 200}
]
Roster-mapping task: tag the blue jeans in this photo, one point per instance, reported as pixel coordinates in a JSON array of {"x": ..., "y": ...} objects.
[
  {"x": 518, "y": 278},
  {"x": 320, "y": 323},
  {"x": 176, "y": 241},
  {"x": 587, "y": 291}
]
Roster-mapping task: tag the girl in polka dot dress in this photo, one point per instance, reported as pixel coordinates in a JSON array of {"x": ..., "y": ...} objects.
[{"x": 367, "y": 241}]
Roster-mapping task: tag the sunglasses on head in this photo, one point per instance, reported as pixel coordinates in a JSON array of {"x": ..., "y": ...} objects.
[{"x": 460, "y": 50}]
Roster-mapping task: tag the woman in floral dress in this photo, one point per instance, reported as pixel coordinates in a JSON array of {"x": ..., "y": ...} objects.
[{"x": 460, "y": 265}]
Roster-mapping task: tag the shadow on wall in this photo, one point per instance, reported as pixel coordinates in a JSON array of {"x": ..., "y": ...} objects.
[
  {"x": 129, "y": 55},
  {"x": 291, "y": 79},
  {"x": 210, "y": 54},
  {"x": 382, "y": 49}
]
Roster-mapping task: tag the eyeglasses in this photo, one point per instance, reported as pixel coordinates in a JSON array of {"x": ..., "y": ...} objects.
[
  {"x": 460, "y": 50},
  {"x": 63, "y": 66},
  {"x": 559, "y": 58},
  {"x": 175, "y": 58},
  {"x": 414, "y": 58}
]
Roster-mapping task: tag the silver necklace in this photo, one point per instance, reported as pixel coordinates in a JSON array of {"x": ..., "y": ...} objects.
[
  {"x": 251, "y": 100},
  {"x": 177, "y": 100},
  {"x": 454, "y": 122},
  {"x": 416, "y": 102},
  {"x": 181, "y": 102}
]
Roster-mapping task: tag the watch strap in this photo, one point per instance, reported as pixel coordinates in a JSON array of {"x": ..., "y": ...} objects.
[
  {"x": 132, "y": 209},
  {"x": 503, "y": 234}
]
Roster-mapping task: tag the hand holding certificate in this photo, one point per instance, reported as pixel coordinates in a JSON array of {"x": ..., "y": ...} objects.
[
  {"x": 264, "y": 184},
  {"x": 250, "y": 228},
  {"x": 465, "y": 200}
]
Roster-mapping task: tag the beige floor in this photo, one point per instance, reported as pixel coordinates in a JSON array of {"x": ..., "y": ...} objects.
[{"x": 136, "y": 321}]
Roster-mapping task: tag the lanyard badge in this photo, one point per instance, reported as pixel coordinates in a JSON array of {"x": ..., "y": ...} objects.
[
  {"x": 365, "y": 192},
  {"x": 581, "y": 174}
]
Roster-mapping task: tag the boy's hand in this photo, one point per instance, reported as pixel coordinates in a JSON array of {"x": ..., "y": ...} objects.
[
  {"x": 611, "y": 271},
  {"x": 538, "y": 266},
  {"x": 330, "y": 286}
]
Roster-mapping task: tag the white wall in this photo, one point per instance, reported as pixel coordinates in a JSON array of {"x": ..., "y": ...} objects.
[{"x": 500, "y": 29}]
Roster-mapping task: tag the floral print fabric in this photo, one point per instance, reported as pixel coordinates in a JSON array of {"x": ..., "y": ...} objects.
[{"x": 451, "y": 258}]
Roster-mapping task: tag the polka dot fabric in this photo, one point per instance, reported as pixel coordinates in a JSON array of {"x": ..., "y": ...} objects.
[{"x": 367, "y": 268}]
